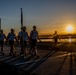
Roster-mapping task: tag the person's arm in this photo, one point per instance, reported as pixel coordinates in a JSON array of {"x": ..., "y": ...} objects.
[
  {"x": 38, "y": 37},
  {"x": 4, "y": 36},
  {"x": 31, "y": 33},
  {"x": 54, "y": 35},
  {"x": 16, "y": 38},
  {"x": 7, "y": 37},
  {"x": 27, "y": 36},
  {"x": 58, "y": 38}
]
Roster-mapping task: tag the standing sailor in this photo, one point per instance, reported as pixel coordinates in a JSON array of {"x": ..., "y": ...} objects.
[
  {"x": 2, "y": 37},
  {"x": 55, "y": 37},
  {"x": 33, "y": 41},
  {"x": 23, "y": 37},
  {"x": 11, "y": 38}
]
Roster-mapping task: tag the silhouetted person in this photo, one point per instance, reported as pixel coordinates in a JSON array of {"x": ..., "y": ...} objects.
[
  {"x": 11, "y": 37},
  {"x": 23, "y": 37},
  {"x": 55, "y": 37},
  {"x": 33, "y": 42},
  {"x": 2, "y": 37}
]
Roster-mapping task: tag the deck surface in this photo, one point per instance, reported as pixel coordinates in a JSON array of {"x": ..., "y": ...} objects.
[{"x": 55, "y": 61}]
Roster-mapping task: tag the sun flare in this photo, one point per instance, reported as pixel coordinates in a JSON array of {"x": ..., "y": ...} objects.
[{"x": 69, "y": 28}]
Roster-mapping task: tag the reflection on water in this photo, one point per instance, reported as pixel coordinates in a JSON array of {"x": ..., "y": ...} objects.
[
  {"x": 60, "y": 40},
  {"x": 70, "y": 39}
]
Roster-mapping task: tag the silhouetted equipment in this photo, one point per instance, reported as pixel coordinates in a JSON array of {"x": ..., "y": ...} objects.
[{"x": 21, "y": 18}]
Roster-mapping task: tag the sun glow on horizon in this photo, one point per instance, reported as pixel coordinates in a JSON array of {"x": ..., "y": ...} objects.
[{"x": 69, "y": 28}]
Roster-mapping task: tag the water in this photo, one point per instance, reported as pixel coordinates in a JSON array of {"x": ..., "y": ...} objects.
[{"x": 60, "y": 40}]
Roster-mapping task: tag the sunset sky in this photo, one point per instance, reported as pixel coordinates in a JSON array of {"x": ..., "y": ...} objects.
[{"x": 47, "y": 15}]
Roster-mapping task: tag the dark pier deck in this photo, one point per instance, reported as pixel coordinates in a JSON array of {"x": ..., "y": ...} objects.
[{"x": 53, "y": 61}]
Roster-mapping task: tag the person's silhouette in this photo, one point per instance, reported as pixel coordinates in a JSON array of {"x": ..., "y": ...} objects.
[
  {"x": 11, "y": 37},
  {"x": 33, "y": 42},
  {"x": 55, "y": 37},
  {"x": 23, "y": 37},
  {"x": 2, "y": 37}
]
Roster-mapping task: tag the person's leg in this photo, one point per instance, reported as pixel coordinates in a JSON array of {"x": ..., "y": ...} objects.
[
  {"x": 22, "y": 49},
  {"x": 56, "y": 42},
  {"x": 32, "y": 52},
  {"x": 55, "y": 46},
  {"x": 31, "y": 46},
  {"x": 35, "y": 49},
  {"x": 10, "y": 50},
  {"x": 35, "y": 44},
  {"x": 2, "y": 46},
  {"x": 11, "y": 47},
  {"x": 36, "y": 56},
  {"x": 25, "y": 50},
  {"x": 14, "y": 50}
]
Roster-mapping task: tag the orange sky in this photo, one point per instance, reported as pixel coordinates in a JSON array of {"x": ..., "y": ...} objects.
[{"x": 47, "y": 15}]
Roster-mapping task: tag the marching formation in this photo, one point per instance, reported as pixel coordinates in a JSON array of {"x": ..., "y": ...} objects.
[{"x": 22, "y": 39}]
